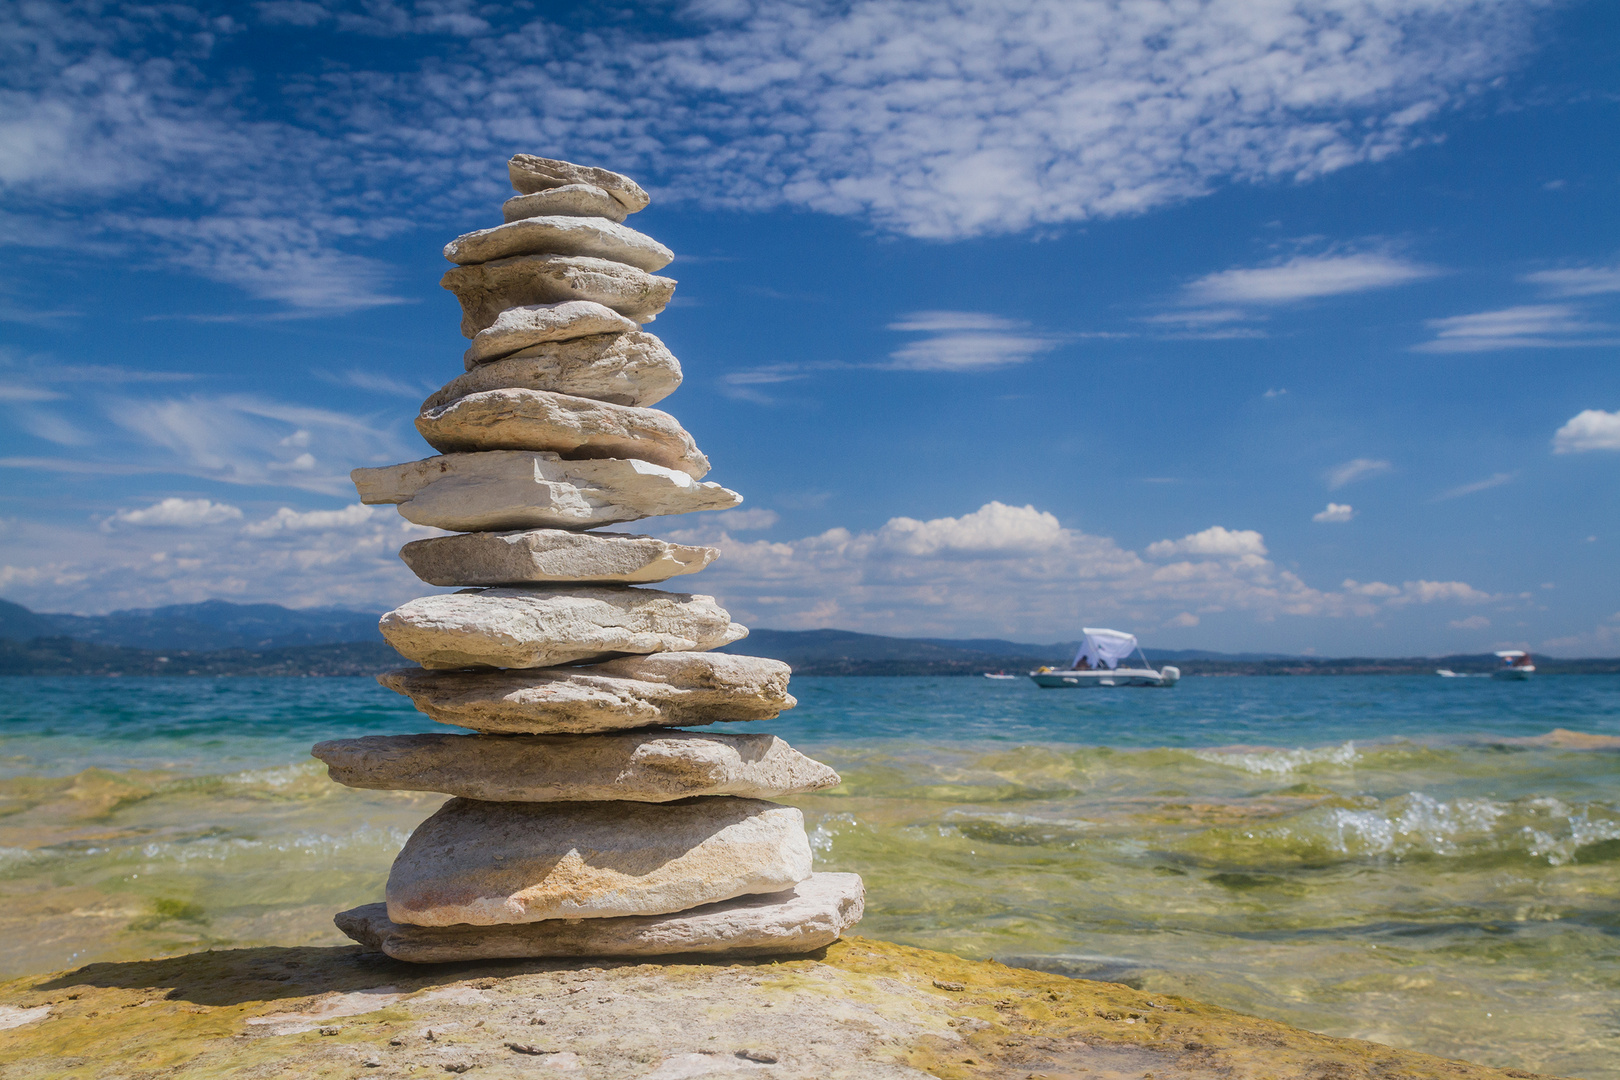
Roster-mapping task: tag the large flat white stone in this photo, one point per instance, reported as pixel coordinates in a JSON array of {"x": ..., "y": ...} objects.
[
  {"x": 640, "y": 767},
  {"x": 551, "y": 555},
  {"x": 492, "y": 863},
  {"x": 529, "y": 173},
  {"x": 570, "y": 200},
  {"x": 572, "y": 427},
  {"x": 558, "y": 235},
  {"x": 626, "y": 369},
  {"x": 517, "y": 489},
  {"x": 487, "y": 289},
  {"x": 802, "y": 919},
  {"x": 562, "y": 624},
  {"x": 517, "y": 328},
  {"x": 670, "y": 689}
]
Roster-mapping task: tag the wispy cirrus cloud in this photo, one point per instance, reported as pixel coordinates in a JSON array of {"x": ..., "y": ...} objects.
[
  {"x": 1356, "y": 469},
  {"x": 1306, "y": 277},
  {"x": 1577, "y": 280},
  {"x": 1524, "y": 326},
  {"x": 1494, "y": 480},
  {"x": 966, "y": 341}
]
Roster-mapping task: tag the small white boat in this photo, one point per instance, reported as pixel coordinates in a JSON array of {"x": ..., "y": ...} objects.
[
  {"x": 999, "y": 675},
  {"x": 1516, "y": 665},
  {"x": 1097, "y": 664}
]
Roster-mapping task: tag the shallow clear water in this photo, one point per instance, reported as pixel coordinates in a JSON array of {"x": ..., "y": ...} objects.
[{"x": 1430, "y": 863}]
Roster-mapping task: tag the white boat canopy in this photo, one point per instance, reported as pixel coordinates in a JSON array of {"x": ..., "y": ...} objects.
[
  {"x": 1105, "y": 648},
  {"x": 1506, "y": 654}
]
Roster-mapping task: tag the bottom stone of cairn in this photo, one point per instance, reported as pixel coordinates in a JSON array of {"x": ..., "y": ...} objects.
[{"x": 799, "y": 920}]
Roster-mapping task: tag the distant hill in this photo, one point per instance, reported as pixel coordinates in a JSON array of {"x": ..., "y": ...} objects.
[
  {"x": 212, "y": 624},
  {"x": 64, "y": 656}
]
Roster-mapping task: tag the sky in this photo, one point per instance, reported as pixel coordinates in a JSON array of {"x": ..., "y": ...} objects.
[{"x": 1238, "y": 324}]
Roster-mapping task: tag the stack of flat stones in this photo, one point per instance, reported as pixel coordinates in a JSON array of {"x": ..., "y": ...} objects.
[{"x": 580, "y": 823}]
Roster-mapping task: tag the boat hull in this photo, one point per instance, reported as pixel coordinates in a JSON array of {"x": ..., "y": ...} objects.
[
  {"x": 1076, "y": 680},
  {"x": 1514, "y": 674}
]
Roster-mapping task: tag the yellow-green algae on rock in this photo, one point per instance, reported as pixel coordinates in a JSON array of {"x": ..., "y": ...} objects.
[{"x": 859, "y": 1009}]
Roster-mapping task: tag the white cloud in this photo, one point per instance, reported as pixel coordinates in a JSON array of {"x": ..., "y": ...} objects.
[
  {"x": 1577, "y": 281},
  {"x": 752, "y": 519},
  {"x": 1527, "y": 326},
  {"x": 1589, "y": 429},
  {"x": 177, "y": 513},
  {"x": 1356, "y": 469},
  {"x": 1473, "y": 622},
  {"x": 965, "y": 341},
  {"x": 1305, "y": 277},
  {"x": 993, "y": 529},
  {"x": 1213, "y": 541},
  {"x": 1335, "y": 512},
  {"x": 1494, "y": 480},
  {"x": 1430, "y": 592},
  {"x": 286, "y": 519}
]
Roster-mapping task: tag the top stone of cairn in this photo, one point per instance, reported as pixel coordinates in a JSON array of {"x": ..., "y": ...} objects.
[{"x": 531, "y": 174}]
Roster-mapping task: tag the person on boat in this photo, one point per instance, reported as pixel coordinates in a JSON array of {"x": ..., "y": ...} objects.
[{"x": 1082, "y": 664}]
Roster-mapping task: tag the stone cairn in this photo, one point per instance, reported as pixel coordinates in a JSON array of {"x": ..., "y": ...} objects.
[{"x": 580, "y": 825}]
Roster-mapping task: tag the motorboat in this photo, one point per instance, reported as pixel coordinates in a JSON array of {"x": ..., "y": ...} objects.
[
  {"x": 1516, "y": 665},
  {"x": 1097, "y": 663},
  {"x": 998, "y": 675}
]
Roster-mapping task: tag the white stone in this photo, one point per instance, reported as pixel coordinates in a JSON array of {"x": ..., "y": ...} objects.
[
  {"x": 670, "y": 689},
  {"x": 487, "y": 289},
  {"x": 517, "y": 489},
  {"x": 490, "y": 863},
  {"x": 807, "y": 917},
  {"x": 640, "y": 767},
  {"x": 570, "y": 200},
  {"x": 551, "y": 555},
  {"x": 518, "y": 328},
  {"x": 529, "y": 174},
  {"x": 572, "y": 427},
  {"x": 555, "y": 235},
  {"x": 624, "y": 368},
  {"x": 562, "y": 624}
]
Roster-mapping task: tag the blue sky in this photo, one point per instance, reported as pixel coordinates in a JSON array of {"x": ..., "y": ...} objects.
[{"x": 1243, "y": 324}]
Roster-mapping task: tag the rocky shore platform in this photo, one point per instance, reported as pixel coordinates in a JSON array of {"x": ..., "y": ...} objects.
[{"x": 861, "y": 1009}]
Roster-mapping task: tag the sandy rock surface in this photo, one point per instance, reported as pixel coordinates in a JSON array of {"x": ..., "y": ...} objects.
[
  {"x": 559, "y": 235},
  {"x": 563, "y": 624},
  {"x": 863, "y": 1010},
  {"x": 551, "y": 555},
  {"x": 572, "y": 427},
  {"x": 664, "y": 689},
  {"x": 518, "y": 489},
  {"x": 570, "y": 200},
  {"x": 487, "y": 289},
  {"x": 643, "y": 767},
  {"x": 492, "y": 863},
  {"x": 518, "y": 328},
  {"x": 803, "y": 919},
  {"x": 529, "y": 173}
]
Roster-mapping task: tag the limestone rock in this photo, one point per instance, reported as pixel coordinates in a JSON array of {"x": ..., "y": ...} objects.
[
  {"x": 518, "y": 328},
  {"x": 530, "y": 174},
  {"x": 536, "y": 555},
  {"x": 491, "y": 863},
  {"x": 565, "y": 624},
  {"x": 807, "y": 917},
  {"x": 557, "y": 235},
  {"x": 570, "y": 200},
  {"x": 516, "y": 489},
  {"x": 627, "y": 369},
  {"x": 651, "y": 767},
  {"x": 670, "y": 689},
  {"x": 573, "y": 427},
  {"x": 487, "y": 289}
]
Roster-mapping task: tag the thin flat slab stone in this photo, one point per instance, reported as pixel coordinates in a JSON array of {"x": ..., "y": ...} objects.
[
  {"x": 517, "y": 328},
  {"x": 809, "y": 916},
  {"x": 670, "y": 689},
  {"x": 529, "y": 174},
  {"x": 570, "y": 200},
  {"x": 625, "y": 368},
  {"x": 573, "y": 427},
  {"x": 487, "y": 289},
  {"x": 551, "y": 555},
  {"x": 494, "y": 863},
  {"x": 518, "y": 489},
  {"x": 641, "y": 767},
  {"x": 544, "y": 627},
  {"x": 558, "y": 235}
]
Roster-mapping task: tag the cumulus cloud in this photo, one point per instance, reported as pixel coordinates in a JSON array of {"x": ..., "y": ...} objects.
[
  {"x": 177, "y": 513},
  {"x": 1526, "y": 326},
  {"x": 1356, "y": 469},
  {"x": 1213, "y": 541},
  {"x": 932, "y": 119},
  {"x": 1335, "y": 512},
  {"x": 1589, "y": 429},
  {"x": 286, "y": 519},
  {"x": 1306, "y": 277}
]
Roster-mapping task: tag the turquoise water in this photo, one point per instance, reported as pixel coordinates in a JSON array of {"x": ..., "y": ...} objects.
[{"x": 1430, "y": 863}]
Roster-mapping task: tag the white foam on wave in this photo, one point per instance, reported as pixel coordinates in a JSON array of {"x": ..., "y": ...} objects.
[{"x": 1280, "y": 762}]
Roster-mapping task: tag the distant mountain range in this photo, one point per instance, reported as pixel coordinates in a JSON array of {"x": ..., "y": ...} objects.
[{"x": 217, "y": 637}]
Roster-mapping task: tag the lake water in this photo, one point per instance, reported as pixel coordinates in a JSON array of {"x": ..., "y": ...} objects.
[{"x": 1427, "y": 862}]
